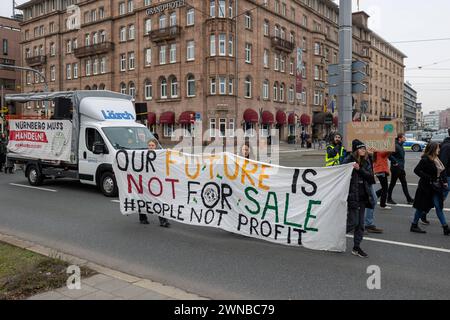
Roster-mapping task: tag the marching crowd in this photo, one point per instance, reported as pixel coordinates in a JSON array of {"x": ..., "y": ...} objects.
[{"x": 433, "y": 171}]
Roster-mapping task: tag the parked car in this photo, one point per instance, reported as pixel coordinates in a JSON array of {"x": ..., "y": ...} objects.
[
  {"x": 439, "y": 138},
  {"x": 414, "y": 145}
]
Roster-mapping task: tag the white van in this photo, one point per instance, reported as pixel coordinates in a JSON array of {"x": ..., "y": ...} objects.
[{"x": 98, "y": 124}]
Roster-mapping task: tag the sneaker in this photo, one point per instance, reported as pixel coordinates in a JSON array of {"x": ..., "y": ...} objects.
[
  {"x": 373, "y": 229},
  {"x": 386, "y": 208},
  {"x": 424, "y": 221},
  {"x": 390, "y": 201},
  {"x": 358, "y": 252},
  {"x": 415, "y": 228}
]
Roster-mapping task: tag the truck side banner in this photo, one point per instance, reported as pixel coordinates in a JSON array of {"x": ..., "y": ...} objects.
[
  {"x": 40, "y": 139},
  {"x": 290, "y": 206}
]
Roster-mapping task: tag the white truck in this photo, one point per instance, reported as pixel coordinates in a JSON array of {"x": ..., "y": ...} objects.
[{"x": 81, "y": 139}]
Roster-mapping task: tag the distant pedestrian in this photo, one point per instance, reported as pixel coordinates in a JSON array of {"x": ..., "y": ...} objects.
[
  {"x": 246, "y": 151},
  {"x": 163, "y": 222},
  {"x": 398, "y": 170},
  {"x": 381, "y": 170},
  {"x": 360, "y": 196},
  {"x": 432, "y": 185},
  {"x": 303, "y": 137},
  {"x": 335, "y": 151},
  {"x": 444, "y": 156},
  {"x": 369, "y": 214}
]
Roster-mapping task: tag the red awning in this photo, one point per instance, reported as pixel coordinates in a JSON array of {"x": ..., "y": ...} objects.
[
  {"x": 151, "y": 118},
  {"x": 267, "y": 118},
  {"x": 167, "y": 118},
  {"x": 251, "y": 116},
  {"x": 305, "y": 120},
  {"x": 281, "y": 117},
  {"x": 336, "y": 121},
  {"x": 187, "y": 117},
  {"x": 291, "y": 118}
]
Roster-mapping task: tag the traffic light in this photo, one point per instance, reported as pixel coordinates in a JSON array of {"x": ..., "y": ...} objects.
[{"x": 358, "y": 76}]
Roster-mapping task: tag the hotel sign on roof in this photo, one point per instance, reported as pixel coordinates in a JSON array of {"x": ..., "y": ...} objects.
[{"x": 166, "y": 6}]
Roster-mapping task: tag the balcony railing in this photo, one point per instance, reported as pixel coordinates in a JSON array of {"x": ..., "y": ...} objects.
[
  {"x": 94, "y": 49},
  {"x": 36, "y": 61},
  {"x": 162, "y": 34},
  {"x": 282, "y": 44}
]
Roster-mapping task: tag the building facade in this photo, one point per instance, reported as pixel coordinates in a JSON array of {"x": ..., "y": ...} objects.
[
  {"x": 444, "y": 119},
  {"x": 410, "y": 105},
  {"x": 419, "y": 118},
  {"x": 249, "y": 64},
  {"x": 431, "y": 121},
  {"x": 10, "y": 54}
]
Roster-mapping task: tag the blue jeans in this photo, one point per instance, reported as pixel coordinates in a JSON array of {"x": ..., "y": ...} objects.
[
  {"x": 369, "y": 212},
  {"x": 439, "y": 212},
  {"x": 447, "y": 191}
]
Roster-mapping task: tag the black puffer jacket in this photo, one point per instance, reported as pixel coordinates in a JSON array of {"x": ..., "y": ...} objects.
[
  {"x": 366, "y": 177},
  {"x": 427, "y": 171}
]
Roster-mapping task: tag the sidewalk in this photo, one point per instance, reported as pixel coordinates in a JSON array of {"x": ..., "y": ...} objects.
[{"x": 108, "y": 284}]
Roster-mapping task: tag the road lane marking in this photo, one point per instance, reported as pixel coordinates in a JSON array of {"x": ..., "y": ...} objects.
[
  {"x": 408, "y": 206},
  {"x": 31, "y": 187},
  {"x": 116, "y": 201},
  {"x": 404, "y": 244}
]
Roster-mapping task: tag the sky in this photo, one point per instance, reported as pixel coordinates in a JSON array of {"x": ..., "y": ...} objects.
[{"x": 398, "y": 21}]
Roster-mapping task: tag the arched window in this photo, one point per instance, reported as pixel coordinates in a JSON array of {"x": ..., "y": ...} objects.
[
  {"x": 275, "y": 91},
  {"x": 292, "y": 37},
  {"x": 87, "y": 88},
  {"x": 162, "y": 21},
  {"x": 173, "y": 87},
  {"x": 95, "y": 38},
  {"x": 190, "y": 85},
  {"x": 173, "y": 19},
  {"x": 277, "y": 31},
  {"x": 102, "y": 86},
  {"x": 132, "y": 89},
  {"x": 123, "y": 88},
  {"x": 102, "y": 36},
  {"x": 148, "y": 90},
  {"x": 283, "y": 33},
  {"x": 163, "y": 88},
  {"x": 248, "y": 87},
  {"x": 282, "y": 92},
  {"x": 94, "y": 87}
]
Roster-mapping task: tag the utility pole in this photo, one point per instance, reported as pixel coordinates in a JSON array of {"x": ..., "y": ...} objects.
[{"x": 345, "y": 66}]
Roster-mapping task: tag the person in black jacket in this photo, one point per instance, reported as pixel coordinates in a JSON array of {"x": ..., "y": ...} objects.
[
  {"x": 3, "y": 148},
  {"x": 360, "y": 196},
  {"x": 430, "y": 192},
  {"x": 444, "y": 155},
  {"x": 398, "y": 170}
]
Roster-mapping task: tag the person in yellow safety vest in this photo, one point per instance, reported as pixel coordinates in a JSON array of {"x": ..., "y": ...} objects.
[{"x": 335, "y": 151}]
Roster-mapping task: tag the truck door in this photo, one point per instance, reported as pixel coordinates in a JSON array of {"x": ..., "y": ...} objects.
[{"x": 88, "y": 161}]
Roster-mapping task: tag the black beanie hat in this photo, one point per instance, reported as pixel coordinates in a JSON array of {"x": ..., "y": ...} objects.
[{"x": 357, "y": 144}]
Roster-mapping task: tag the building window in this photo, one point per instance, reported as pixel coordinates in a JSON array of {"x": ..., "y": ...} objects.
[
  {"x": 266, "y": 89},
  {"x": 212, "y": 45},
  {"x": 266, "y": 28},
  {"x": 173, "y": 53},
  {"x": 230, "y": 9},
  {"x": 248, "y": 53},
  {"x": 162, "y": 21},
  {"x": 68, "y": 71},
  {"x": 277, "y": 62},
  {"x": 163, "y": 88},
  {"x": 222, "y": 40},
  {"x": 173, "y": 19},
  {"x": 230, "y": 86},
  {"x": 168, "y": 130},
  {"x": 248, "y": 87},
  {"x": 282, "y": 63},
  {"x": 222, "y": 85},
  {"x": 132, "y": 90},
  {"x": 101, "y": 13},
  {"x": 190, "y": 17},
  {"x": 174, "y": 87},
  {"x": 123, "y": 62},
  {"x": 95, "y": 67},
  {"x": 75, "y": 70},
  {"x": 131, "y": 61},
  {"x": 212, "y": 8},
  {"x": 52, "y": 49},
  {"x": 131, "y": 32},
  {"x": 222, "y": 127},
  {"x": 191, "y": 86},
  {"x": 123, "y": 34},
  {"x": 130, "y": 6},
  {"x": 282, "y": 92},
  {"x": 122, "y": 8},
  {"x": 248, "y": 20},
  {"x": 52, "y": 74},
  {"x": 221, "y": 8},
  {"x": 162, "y": 55},
  {"x": 230, "y": 45},
  {"x": 88, "y": 67},
  {"x": 190, "y": 50},
  {"x": 148, "y": 26},
  {"x": 148, "y": 89},
  {"x": 212, "y": 127},
  {"x": 291, "y": 94},
  {"x": 275, "y": 91},
  {"x": 213, "y": 86},
  {"x": 103, "y": 65}
]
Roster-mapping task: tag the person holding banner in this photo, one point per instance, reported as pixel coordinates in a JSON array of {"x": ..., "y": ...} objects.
[
  {"x": 163, "y": 222},
  {"x": 335, "y": 151},
  {"x": 360, "y": 195},
  {"x": 432, "y": 185}
]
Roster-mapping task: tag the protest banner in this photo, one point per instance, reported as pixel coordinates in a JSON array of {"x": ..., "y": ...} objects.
[
  {"x": 291, "y": 206},
  {"x": 376, "y": 134},
  {"x": 41, "y": 139}
]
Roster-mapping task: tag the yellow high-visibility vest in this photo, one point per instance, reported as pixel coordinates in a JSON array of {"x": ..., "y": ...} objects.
[{"x": 330, "y": 162}]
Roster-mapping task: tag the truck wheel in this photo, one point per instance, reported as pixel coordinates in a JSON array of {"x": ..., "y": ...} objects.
[
  {"x": 35, "y": 177},
  {"x": 108, "y": 185}
]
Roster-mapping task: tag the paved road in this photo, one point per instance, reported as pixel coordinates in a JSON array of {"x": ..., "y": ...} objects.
[{"x": 77, "y": 219}]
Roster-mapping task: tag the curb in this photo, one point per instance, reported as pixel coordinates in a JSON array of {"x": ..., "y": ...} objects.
[{"x": 157, "y": 287}]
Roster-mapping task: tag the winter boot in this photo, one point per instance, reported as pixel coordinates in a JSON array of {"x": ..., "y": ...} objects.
[
  {"x": 415, "y": 228},
  {"x": 446, "y": 230}
]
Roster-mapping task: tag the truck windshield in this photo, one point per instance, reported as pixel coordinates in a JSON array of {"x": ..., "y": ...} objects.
[{"x": 129, "y": 138}]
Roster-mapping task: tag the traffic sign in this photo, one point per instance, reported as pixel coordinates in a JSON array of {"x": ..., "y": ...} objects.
[
  {"x": 358, "y": 87},
  {"x": 359, "y": 66},
  {"x": 358, "y": 76}
]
